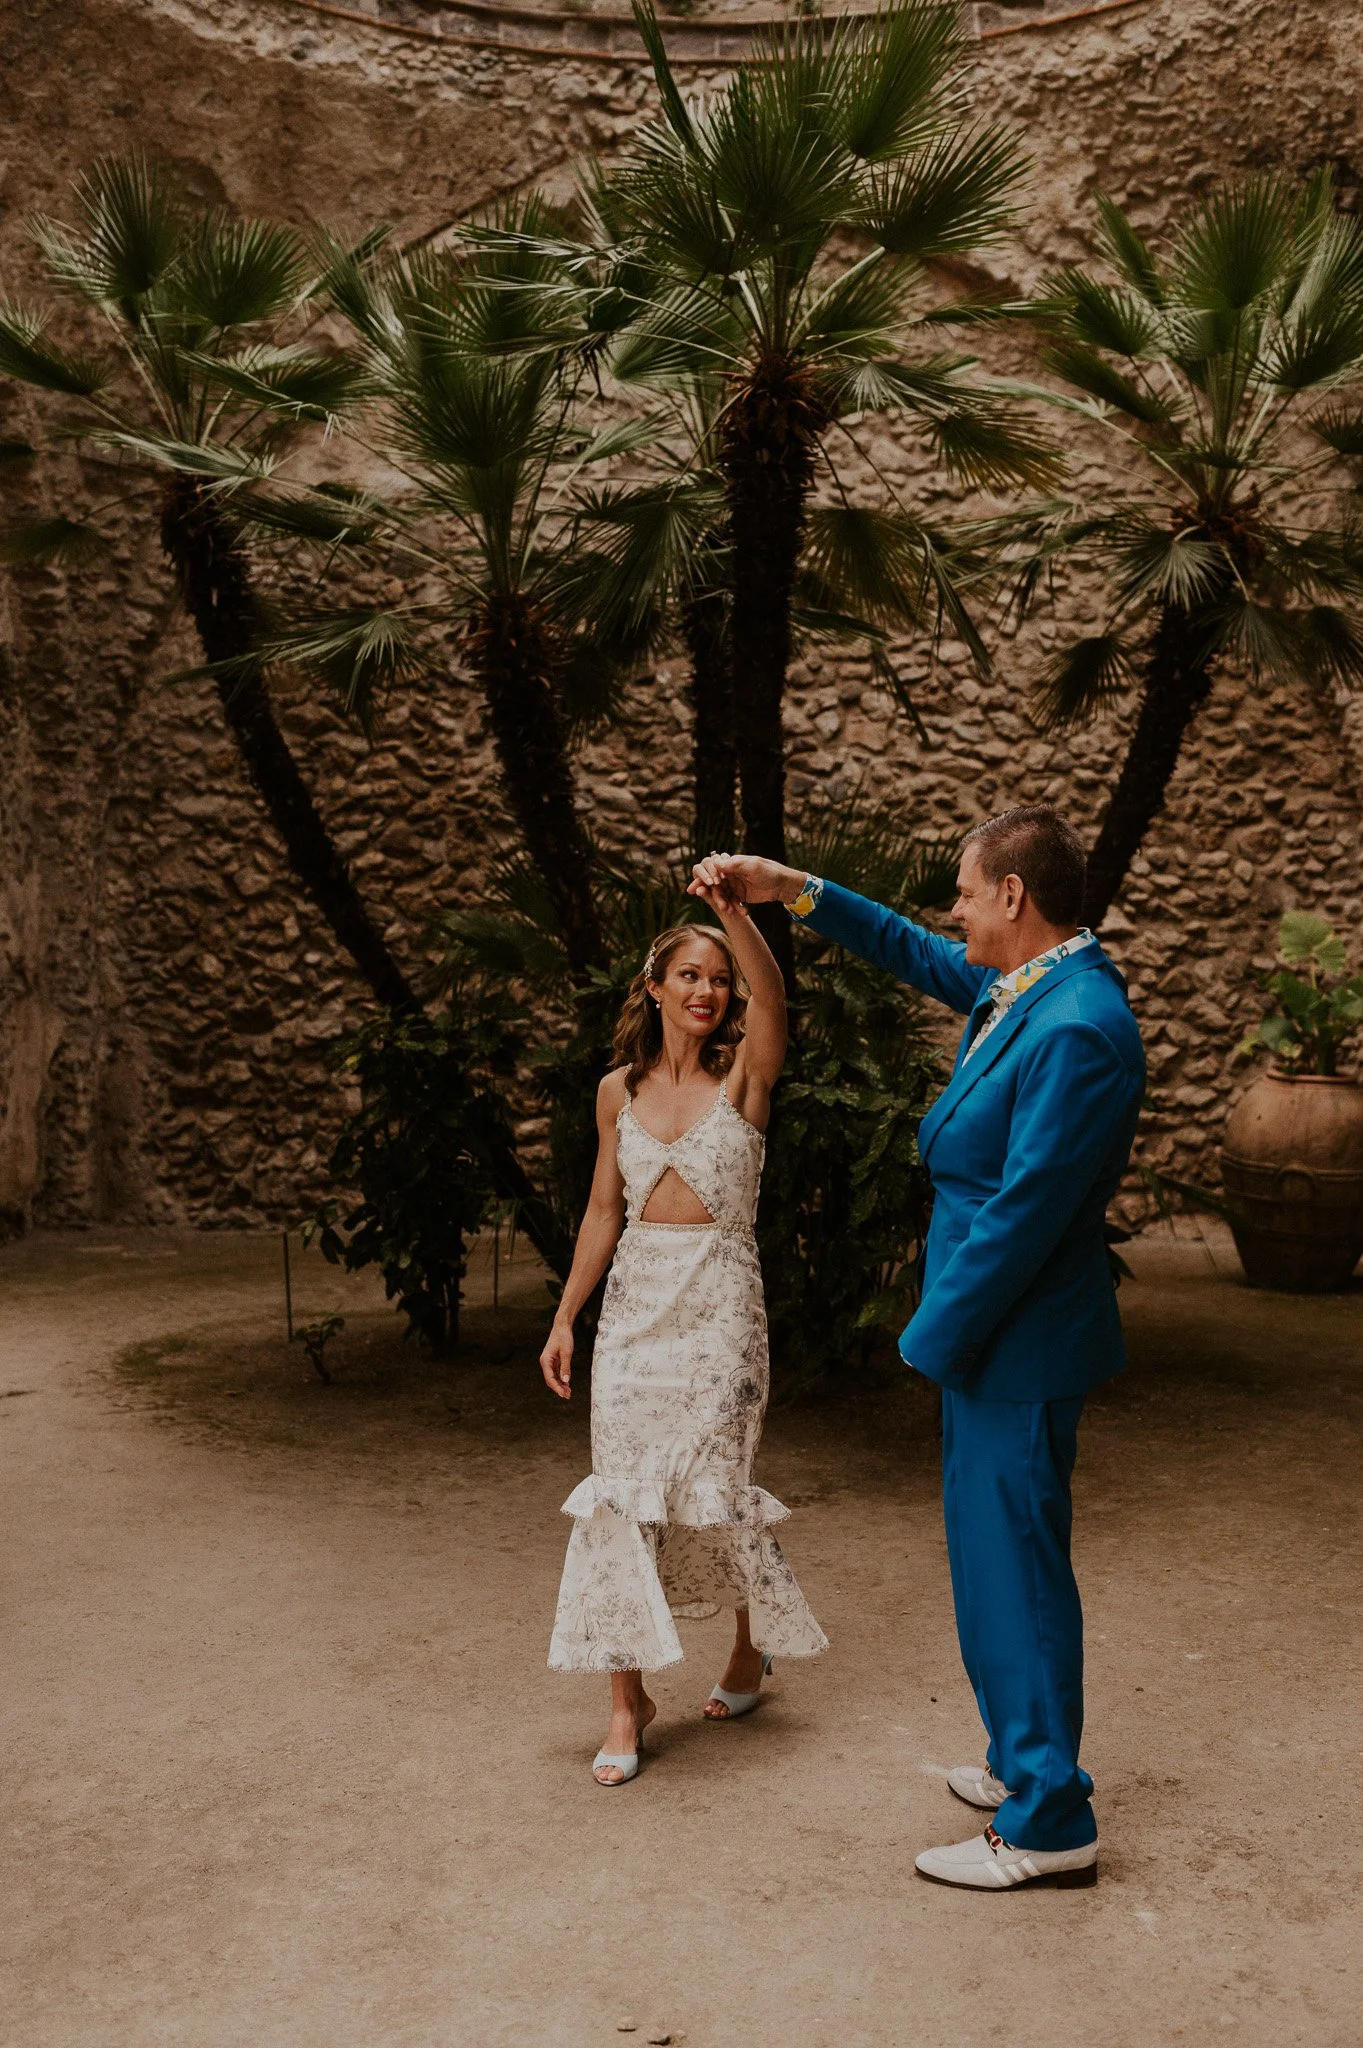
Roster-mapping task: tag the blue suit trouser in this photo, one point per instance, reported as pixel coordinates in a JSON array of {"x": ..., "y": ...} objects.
[{"x": 1006, "y": 1469}]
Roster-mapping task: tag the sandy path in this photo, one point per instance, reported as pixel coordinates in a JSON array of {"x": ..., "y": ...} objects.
[{"x": 284, "y": 1764}]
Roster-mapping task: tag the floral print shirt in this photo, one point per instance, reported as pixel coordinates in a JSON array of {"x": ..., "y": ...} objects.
[{"x": 1006, "y": 990}]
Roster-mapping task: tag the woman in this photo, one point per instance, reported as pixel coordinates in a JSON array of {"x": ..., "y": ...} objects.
[{"x": 670, "y": 1519}]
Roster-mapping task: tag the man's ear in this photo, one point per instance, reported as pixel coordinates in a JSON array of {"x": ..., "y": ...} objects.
[{"x": 1014, "y": 896}]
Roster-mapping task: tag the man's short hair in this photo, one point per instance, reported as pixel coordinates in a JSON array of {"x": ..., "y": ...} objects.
[{"x": 1045, "y": 853}]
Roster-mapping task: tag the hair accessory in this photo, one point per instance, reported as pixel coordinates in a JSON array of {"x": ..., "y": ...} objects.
[{"x": 649, "y": 965}]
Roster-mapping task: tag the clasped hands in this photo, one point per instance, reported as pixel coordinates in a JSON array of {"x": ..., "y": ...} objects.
[{"x": 729, "y": 882}]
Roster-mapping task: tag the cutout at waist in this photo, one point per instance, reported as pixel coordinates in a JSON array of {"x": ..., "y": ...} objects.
[{"x": 673, "y": 1191}]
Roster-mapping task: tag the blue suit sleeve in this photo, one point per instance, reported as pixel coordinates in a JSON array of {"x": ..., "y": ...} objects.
[
  {"x": 1071, "y": 1096},
  {"x": 936, "y": 966}
]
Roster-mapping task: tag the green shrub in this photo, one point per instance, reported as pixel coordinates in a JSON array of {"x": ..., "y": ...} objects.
[{"x": 421, "y": 1153}]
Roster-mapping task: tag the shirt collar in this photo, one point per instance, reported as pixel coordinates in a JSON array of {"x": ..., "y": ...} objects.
[{"x": 1021, "y": 978}]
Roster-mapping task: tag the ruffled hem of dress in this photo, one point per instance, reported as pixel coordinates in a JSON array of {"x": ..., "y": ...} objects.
[
  {"x": 702, "y": 1505},
  {"x": 580, "y": 1656}
]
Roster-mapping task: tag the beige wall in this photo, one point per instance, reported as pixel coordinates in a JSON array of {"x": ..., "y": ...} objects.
[{"x": 166, "y": 1000}]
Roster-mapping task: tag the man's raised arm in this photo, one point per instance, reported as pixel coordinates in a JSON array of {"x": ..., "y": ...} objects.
[{"x": 934, "y": 965}]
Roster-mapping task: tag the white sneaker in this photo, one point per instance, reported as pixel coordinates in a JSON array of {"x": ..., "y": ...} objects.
[
  {"x": 989, "y": 1864},
  {"x": 976, "y": 1786}
]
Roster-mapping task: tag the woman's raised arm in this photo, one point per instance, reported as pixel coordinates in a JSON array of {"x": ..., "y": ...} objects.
[{"x": 764, "y": 1042}]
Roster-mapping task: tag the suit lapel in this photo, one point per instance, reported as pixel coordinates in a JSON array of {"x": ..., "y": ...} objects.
[
  {"x": 968, "y": 1071},
  {"x": 974, "y": 1025}
]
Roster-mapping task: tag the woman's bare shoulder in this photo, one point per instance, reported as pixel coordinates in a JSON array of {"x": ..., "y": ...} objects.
[{"x": 612, "y": 1095}]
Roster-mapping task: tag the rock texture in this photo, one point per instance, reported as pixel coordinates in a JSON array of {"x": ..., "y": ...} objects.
[{"x": 167, "y": 1001}]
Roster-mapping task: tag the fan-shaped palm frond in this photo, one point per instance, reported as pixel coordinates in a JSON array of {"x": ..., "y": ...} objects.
[
  {"x": 870, "y": 563},
  {"x": 1224, "y": 541},
  {"x": 955, "y": 195},
  {"x": 983, "y": 443},
  {"x": 1171, "y": 568},
  {"x": 1128, "y": 252},
  {"x": 132, "y": 229},
  {"x": 58, "y": 543},
  {"x": 1084, "y": 369},
  {"x": 1083, "y": 679},
  {"x": 28, "y": 356},
  {"x": 364, "y": 653},
  {"x": 298, "y": 381},
  {"x": 328, "y": 514},
  {"x": 1235, "y": 246},
  {"x": 893, "y": 79},
  {"x": 1098, "y": 315},
  {"x": 238, "y": 273},
  {"x": 872, "y": 848}
]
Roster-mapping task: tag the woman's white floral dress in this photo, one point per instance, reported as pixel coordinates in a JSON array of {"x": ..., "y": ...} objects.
[{"x": 670, "y": 1519}]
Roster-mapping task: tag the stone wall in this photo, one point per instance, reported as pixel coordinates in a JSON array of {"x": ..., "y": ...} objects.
[{"x": 167, "y": 1000}]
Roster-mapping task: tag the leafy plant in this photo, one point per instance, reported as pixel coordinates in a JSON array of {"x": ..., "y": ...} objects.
[
  {"x": 314, "y": 1338},
  {"x": 426, "y": 1153},
  {"x": 845, "y": 1197},
  {"x": 1228, "y": 368},
  {"x": 190, "y": 412},
  {"x": 1321, "y": 1005}
]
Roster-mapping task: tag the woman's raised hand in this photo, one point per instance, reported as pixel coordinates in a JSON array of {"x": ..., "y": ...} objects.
[
  {"x": 556, "y": 1362},
  {"x": 713, "y": 885}
]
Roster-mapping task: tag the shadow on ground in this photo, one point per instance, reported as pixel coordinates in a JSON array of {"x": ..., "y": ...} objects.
[{"x": 286, "y": 1765}]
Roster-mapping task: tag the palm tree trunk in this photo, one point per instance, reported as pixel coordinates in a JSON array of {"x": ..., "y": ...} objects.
[
  {"x": 514, "y": 662},
  {"x": 767, "y": 457},
  {"x": 214, "y": 580},
  {"x": 705, "y": 628},
  {"x": 1177, "y": 684}
]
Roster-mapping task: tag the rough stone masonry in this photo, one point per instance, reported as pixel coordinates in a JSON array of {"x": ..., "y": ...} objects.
[{"x": 166, "y": 1000}]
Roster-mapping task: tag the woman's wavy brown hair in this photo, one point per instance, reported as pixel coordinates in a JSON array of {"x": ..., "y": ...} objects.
[{"x": 638, "y": 1044}]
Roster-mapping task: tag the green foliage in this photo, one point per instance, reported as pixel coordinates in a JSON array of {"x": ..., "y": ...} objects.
[
  {"x": 202, "y": 381},
  {"x": 421, "y": 1154},
  {"x": 62, "y": 543},
  {"x": 738, "y": 208},
  {"x": 1222, "y": 364},
  {"x": 1320, "y": 1004},
  {"x": 845, "y": 1197}
]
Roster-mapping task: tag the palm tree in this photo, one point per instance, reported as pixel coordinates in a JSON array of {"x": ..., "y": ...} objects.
[
  {"x": 481, "y": 355},
  {"x": 789, "y": 218},
  {"x": 1227, "y": 370},
  {"x": 191, "y": 413}
]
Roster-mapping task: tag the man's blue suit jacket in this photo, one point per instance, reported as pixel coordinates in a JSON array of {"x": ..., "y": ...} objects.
[{"x": 1025, "y": 1147}]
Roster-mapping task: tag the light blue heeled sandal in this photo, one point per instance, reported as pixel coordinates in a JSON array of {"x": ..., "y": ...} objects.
[
  {"x": 739, "y": 1703},
  {"x": 628, "y": 1766}
]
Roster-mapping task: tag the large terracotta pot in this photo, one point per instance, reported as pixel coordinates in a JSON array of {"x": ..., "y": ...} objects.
[{"x": 1292, "y": 1163}]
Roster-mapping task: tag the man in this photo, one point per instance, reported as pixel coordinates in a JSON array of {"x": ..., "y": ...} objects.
[{"x": 1018, "y": 1319}]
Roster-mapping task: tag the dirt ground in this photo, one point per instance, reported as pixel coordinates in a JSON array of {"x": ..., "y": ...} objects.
[{"x": 284, "y": 1764}]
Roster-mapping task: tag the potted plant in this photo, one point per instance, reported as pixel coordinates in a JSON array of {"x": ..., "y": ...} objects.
[{"x": 1292, "y": 1160}]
